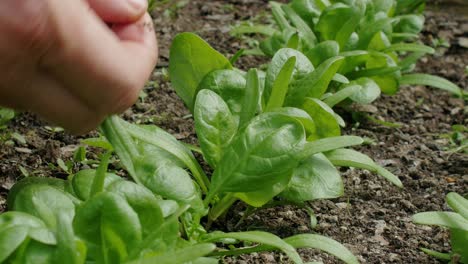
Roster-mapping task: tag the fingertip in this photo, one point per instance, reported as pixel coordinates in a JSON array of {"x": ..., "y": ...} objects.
[
  {"x": 139, "y": 31},
  {"x": 120, "y": 11}
]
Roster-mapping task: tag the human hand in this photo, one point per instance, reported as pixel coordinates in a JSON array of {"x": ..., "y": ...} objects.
[{"x": 74, "y": 62}]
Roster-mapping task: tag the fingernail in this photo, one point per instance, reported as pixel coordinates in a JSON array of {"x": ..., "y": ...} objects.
[{"x": 139, "y": 5}]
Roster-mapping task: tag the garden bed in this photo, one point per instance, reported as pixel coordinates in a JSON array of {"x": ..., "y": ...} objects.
[{"x": 373, "y": 219}]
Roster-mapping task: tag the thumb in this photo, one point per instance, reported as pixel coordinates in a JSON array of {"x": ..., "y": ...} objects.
[{"x": 119, "y": 11}]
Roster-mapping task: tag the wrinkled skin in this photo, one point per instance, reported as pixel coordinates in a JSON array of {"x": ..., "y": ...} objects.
[{"x": 74, "y": 62}]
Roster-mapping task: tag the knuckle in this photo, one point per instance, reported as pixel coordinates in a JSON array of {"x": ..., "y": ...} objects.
[{"x": 32, "y": 25}]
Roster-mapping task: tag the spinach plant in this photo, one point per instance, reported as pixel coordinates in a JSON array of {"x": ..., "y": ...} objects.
[
  {"x": 375, "y": 38},
  {"x": 93, "y": 217},
  {"x": 456, "y": 221}
]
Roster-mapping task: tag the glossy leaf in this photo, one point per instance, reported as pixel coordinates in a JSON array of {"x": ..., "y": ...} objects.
[
  {"x": 323, "y": 116},
  {"x": 308, "y": 36},
  {"x": 44, "y": 202},
  {"x": 315, "y": 83},
  {"x": 368, "y": 93},
  {"x": 109, "y": 222},
  {"x": 315, "y": 178},
  {"x": 342, "y": 94},
  {"x": 251, "y": 101},
  {"x": 328, "y": 144},
  {"x": 179, "y": 256},
  {"x": 302, "y": 116},
  {"x": 458, "y": 203},
  {"x": 191, "y": 58},
  {"x": 352, "y": 158},
  {"x": 262, "y": 153},
  {"x": 430, "y": 80},
  {"x": 323, "y": 243},
  {"x": 258, "y": 237},
  {"x": 323, "y": 51},
  {"x": 214, "y": 124},
  {"x": 281, "y": 85},
  {"x": 445, "y": 219},
  {"x": 302, "y": 67},
  {"x": 229, "y": 85},
  {"x": 167, "y": 180}
]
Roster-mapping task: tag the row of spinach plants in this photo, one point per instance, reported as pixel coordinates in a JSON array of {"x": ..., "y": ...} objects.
[
  {"x": 265, "y": 136},
  {"x": 378, "y": 41}
]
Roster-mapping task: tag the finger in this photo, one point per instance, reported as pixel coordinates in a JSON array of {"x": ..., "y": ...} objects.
[
  {"x": 98, "y": 67},
  {"x": 119, "y": 11},
  {"x": 56, "y": 105}
]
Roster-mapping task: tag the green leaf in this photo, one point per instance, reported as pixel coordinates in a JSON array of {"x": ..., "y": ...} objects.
[
  {"x": 53, "y": 182},
  {"x": 214, "y": 124},
  {"x": 252, "y": 29},
  {"x": 264, "y": 194},
  {"x": 328, "y": 144},
  {"x": 142, "y": 201},
  {"x": 109, "y": 222},
  {"x": 229, "y": 85},
  {"x": 10, "y": 239},
  {"x": 279, "y": 16},
  {"x": 369, "y": 29},
  {"x": 352, "y": 158},
  {"x": 81, "y": 182},
  {"x": 315, "y": 83},
  {"x": 368, "y": 93},
  {"x": 168, "y": 181},
  {"x": 307, "y": 9},
  {"x": 341, "y": 95},
  {"x": 178, "y": 256},
  {"x": 302, "y": 116},
  {"x": 411, "y": 23},
  {"x": 436, "y": 254},
  {"x": 281, "y": 85},
  {"x": 68, "y": 247},
  {"x": 352, "y": 60},
  {"x": 324, "y": 118},
  {"x": 191, "y": 58},
  {"x": 44, "y": 202},
  {"x": 323, "y": 243},
  {"x": 413, "y": 47},
  {"x": 258, "y": 237},
  {"x": 252, "y": 98},
  {"x": 445, "y": 219},
  {"x": 458, "y": 204},
  {"x": 431, "y": 80},
  {"x": 377, "y": 65},
  {"x": 34, "y": 252},
  {"x": 159, "y": 138},
  {"x": 323, "y": 51},
  {"x": 315, "y": 178},
  {"x": 121, "y": 142},
  {"x": 262, "y": 153},
  {"x": 459, "y": 240},
  {"x": 302, "y": 67},
  {"x": 307, "y": 35},
  {"x": 36, "y": 228}
]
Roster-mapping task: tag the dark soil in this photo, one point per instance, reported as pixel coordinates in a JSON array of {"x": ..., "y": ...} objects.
[{"x": 373, "y": 219}]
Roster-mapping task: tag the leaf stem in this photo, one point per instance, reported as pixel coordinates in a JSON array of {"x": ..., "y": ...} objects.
[
  {"x": 222, "y": 206},
  {"x": 100, "y": 177}
]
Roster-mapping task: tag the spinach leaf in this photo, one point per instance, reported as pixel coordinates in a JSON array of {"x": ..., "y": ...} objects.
[
  {"x": 262, "y": 153},
  {"x": 315, "y": 178},
  {"x": 229, "y": 85},
  {"x": 191, "y": 58},
  {"x": 214, "y": 124}
]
